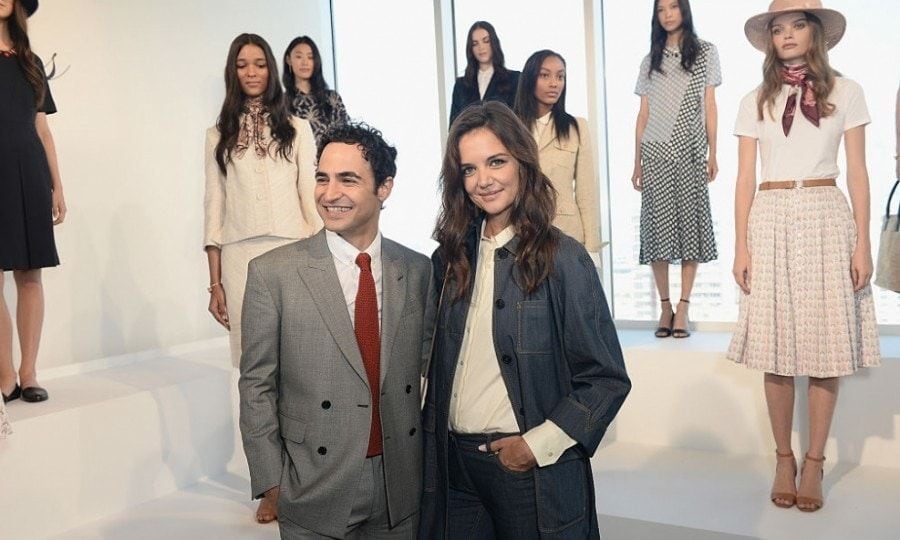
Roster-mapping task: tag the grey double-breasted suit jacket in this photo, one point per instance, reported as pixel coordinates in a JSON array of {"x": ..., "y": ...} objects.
[{"x": 305, "y": 399}]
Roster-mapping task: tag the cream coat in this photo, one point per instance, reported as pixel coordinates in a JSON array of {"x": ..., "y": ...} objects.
[
  {"x": 570, "y": 167},
  {"x": 261, "y": 197}
]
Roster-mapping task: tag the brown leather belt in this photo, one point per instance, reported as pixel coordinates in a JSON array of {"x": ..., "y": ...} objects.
[{"x": 793, "y": 184}]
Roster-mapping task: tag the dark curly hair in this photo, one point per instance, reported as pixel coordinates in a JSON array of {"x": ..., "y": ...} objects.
[{"x": 380, "y": 155}]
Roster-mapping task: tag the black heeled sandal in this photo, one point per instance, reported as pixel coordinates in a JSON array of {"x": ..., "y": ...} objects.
[
  {"x": 680, "y": 333},
  {"x": 665, "y": 331}
]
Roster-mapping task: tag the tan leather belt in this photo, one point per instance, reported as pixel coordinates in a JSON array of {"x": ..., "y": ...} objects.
[{"x": 793, "y": 184}]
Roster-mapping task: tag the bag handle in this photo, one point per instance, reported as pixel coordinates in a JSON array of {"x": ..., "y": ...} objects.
[{"x": 887, "y": 210}]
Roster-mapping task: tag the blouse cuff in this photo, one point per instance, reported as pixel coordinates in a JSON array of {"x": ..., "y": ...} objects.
[{"x": 547, "y": 442}]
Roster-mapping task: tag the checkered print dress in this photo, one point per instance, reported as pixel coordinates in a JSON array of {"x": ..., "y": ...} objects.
[{"x": 676, "y": 223}]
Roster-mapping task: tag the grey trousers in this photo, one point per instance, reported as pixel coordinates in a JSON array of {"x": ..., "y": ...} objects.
[{"x": 369, "y": 515}]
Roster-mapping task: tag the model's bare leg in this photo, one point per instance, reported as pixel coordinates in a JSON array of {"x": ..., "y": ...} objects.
[
  {"x": 661, "y": 277},
  {"x": 688, "y": 274},
  {"x": 7, "y": 370},
  {"x": 29, "y": 322},
  {"x": 822, "y": 400},
  {"x": 780, "y": 401}
]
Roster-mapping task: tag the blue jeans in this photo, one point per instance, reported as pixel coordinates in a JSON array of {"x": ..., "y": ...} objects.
[{"x": 487, "y": 500}]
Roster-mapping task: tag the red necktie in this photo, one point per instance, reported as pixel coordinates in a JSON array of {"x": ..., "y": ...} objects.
[{"x": 368, "y": 338}]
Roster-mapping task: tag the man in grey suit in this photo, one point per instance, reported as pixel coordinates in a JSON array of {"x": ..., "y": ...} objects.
[{"x": 334, "y": 342}]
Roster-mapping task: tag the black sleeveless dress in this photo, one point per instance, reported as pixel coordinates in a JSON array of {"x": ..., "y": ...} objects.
[{"x": 26, "y": 221}]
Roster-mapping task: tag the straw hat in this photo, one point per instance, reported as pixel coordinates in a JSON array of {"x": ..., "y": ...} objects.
[{"x": 757, "y": 27}]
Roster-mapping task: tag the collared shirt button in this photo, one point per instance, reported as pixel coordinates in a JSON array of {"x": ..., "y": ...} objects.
[
  {"x": 550, "y": 454},
  {"x": 259, "y": 196}
]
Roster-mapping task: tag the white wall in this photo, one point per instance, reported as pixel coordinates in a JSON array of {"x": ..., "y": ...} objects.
[
  {"x": 146, "y": 80},
  {"x": 388, "y": 75}
]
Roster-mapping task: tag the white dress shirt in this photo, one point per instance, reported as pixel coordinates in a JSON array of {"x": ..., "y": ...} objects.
[
  {"x": 484, "y": 79},
  {"x": 479, "y": 402},
  {"x": 344, "y": 255}
]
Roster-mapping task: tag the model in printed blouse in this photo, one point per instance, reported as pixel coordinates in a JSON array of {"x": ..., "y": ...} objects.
[
  {"x": 486, "y": 77},
  {"x": 306, "y": 92},
  {"x": 526, "y": 372},
  {"x": 802, "y": 257},
  {"x": 260, "y": 167},
  {"x": 564, "y": 147},
  {"x": 676, "y": 127},
  {"x": 31, "y": 198}
]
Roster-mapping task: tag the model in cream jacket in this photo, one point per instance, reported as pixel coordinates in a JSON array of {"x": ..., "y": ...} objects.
[
  {"x": 261, "y": 197},
  {"x": 570, "y": 166}
]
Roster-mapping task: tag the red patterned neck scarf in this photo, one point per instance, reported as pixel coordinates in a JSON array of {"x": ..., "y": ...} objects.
[
  {"x": 255, "y": 118},
  {"x": 795, "y": 76}
]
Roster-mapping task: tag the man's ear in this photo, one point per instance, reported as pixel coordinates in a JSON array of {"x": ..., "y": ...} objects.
[{"x": 384, "y": 190}]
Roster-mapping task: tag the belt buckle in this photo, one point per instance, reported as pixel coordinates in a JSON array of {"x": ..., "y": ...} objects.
[{"x": 798, "y": 184}]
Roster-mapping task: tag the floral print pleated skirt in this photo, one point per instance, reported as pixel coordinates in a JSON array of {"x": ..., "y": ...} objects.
[{"x": 802, "y": 316}]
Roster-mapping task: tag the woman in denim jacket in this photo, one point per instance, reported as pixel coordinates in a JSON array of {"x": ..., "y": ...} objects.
[{"x": 527, "y": 372}]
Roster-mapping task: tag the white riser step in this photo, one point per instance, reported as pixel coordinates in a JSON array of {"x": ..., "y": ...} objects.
[
  {"x": 112, "y": 439},
  {"x": 687, "y": 395}
]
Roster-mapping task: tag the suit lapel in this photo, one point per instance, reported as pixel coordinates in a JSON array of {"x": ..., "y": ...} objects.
[
  {"x": 548, "y": 136},
  {"x": 393, "y": 288},
  {"x": 320, "y": 277}
]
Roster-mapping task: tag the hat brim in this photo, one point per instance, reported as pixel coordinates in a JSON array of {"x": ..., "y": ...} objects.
[{"x": 757, "y": 27}]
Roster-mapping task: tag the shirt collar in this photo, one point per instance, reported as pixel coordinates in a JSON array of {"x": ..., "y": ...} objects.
[
  {"x": 346, "y": 253},
  {"x": 500, "y": 239}
]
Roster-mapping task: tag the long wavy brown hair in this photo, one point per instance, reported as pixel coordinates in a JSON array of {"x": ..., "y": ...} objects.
[
  {"x": 532, "y": 211},
  {"x": 17, "y": 24},
  {"x": 819, "y": 71}
]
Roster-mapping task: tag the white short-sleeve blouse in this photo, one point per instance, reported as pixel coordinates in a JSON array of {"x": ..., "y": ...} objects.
[{"x": 808, "y": 151}]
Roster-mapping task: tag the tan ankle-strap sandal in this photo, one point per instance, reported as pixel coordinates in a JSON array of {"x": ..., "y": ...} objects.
[
  {"x": 789, "y": 497},
  {"x": 811, "y": 504}
]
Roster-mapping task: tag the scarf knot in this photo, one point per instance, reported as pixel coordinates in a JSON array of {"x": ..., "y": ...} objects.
[
  {"x": 253, "y": 123},
  {"x": 796, "y": 77}
]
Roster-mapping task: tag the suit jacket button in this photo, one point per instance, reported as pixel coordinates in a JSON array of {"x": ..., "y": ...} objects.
[
  {"x": 500, "y": 303},
  {"x": 412, "y": 432},
  {"x": 522, "y": 411},
  {"x": 506, "y": 359},
  {"x": 322, "y": 450},
  {"x": 326, "y": 404},
  {"x": 408, "y": 388},
  {"x": 503, "y": 254}
]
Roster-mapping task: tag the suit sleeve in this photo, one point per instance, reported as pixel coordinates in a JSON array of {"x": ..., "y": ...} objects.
[
  {"x": 258, "y": 385},
  {"x": 599, "y": 382},
  {"x": 214, "y": 194},
  {"x": 306, "y": 175},
  {"x": 586, "y": 189},
  {"x": 456, "y": 106}
]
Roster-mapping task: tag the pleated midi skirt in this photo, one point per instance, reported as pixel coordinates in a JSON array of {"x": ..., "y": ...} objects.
[{"x": 802, "y": 316}]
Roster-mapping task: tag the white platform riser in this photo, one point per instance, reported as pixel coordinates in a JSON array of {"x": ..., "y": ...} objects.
[
  {"x": 65, "y": 469},
  {"x": 686, "y": 399}
]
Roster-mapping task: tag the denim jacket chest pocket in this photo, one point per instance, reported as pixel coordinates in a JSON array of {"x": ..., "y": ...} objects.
[{"x": 534, "y": 327}]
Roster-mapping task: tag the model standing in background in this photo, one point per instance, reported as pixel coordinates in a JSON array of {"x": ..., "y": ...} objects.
[
  {"x": 31, "y": 197},
  {"x": 486, "y": 77},
  {"x": 306, "y": 91},
  {"x": 802, "y": 257},
  {"x": 564, "y": 147},
  {"x": 260, "y": 166},
  {"x": 676, "y": 126}
]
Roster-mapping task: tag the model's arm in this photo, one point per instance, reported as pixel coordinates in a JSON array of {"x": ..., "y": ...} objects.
[
  {"x": 213, "y": 222},
  {"x": 858, "y": 187},
  {"x": 59, "y": 201},
  {"x": 744, "y": 191},
  {"x": 586, "y": 189},
  {"x": 258, "y": 384},
  {"x": 306, "y": 175},
  {"x": 712, "y": 123},
  {"x": 637, "y": 179},
  {"x": 456, "y": 105},
  {"x": 897, "y": 123}
]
